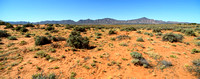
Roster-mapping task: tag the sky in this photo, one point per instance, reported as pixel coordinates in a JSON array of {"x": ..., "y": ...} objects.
[{"x": 41, "y": 10}]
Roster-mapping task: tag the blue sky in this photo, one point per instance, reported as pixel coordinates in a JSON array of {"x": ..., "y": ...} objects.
[{"x": 40, "y": 10}]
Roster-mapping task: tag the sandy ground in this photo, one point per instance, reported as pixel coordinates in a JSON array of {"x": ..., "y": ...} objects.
[{"x": 103, "y": 54}]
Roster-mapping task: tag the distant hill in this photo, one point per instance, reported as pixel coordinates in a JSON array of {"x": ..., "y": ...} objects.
[{"x": 142, "y": 20}]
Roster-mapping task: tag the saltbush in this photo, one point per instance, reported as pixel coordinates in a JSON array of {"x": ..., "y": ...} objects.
[
  {"x": 18, "y": 28},
  {"x": 9, "y": 26},
  {"x": 111, "y": 32},
  {"x": 28, "y": 25},
  {"x": 196, "y": 62},
  {"x": 80, "y": 29},
  {"x": 50, "y": 28},
  {"x": 28, "y": 35},
  {"x": 150, "y": 34},
  {"x": 195, "y": 51},
  {"x": 58, "y": 38},
  {"x": 197, "y": 38},
  {"x": 77, "y": 41},
  {"x": 156, "y": 30},
  {"x": 198, "y": 43},
  {"x": 128, "y": 29},
  {"x": 139, "y": 59},
  {"x": 69, "y": 26},
  {"x": 172, "y": 37},
  {"x": 189, "y": 32},
  {"x": 21, "y": 29},
  {"x": 4, "y": 33},
  {"x": 122, "y": 37},
  {"x": 140, "y": 39},
  {"x": 42, "y": 40},
  {"x": 12, "y": 38},
  {"x": 136, "y": 55},
  {"x": 41, "y": 76},
  {"x": 2, "y": 22},
  {"x": 166, "y": 63}
]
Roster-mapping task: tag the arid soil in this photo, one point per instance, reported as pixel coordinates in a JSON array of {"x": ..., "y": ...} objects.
[{"x": 19, "y": 62}]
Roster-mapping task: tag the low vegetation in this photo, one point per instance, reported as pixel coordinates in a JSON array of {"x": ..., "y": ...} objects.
[
  {"x": 76, "y": 40},
  {"x": 99, "y": 50},
  {"x": 42, "y": 76},
  {"x": 139, "y": 60},
  {"x": 4, "y": 33},
  {"x": 41, "y": 40},
  {"x": 128, "y": 29},
  {"x": 172, "y": 37}
]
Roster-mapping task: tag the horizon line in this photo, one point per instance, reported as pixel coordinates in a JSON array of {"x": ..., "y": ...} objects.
[{"x": 92, "y": 19}]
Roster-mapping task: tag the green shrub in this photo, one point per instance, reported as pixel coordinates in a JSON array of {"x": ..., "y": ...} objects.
[
  {"x": 12, "y": 38},
  {"x": 18, "y": 28},
  {"x": 53, "y": 50},
  {"x": 28, "y": 35},
  {"x": 50, "y": 28},
  {"x": 196, "y": 62},
  {"x": 41, "y": 76},
  {"x": 77, "y": 41},
  {"x": 4, "y": 33},
  {"x": 113, "y": 39},
  {"x": 69, "y": 26},
  {"x": 38, "y": 76},
  {"x": 28, "y": 25},
  {"x": 42, "y": 40},
  {"x": 99, "y": 27},
  {"x": 73, "y": 74},
  {"x": 166, "y": 63},
  {"x": 58, "y": 25},
  {"x": 23, "y": 42},
  {"x": 93, "y": 64},
  {"x": 150, "y": 34},
  {"x": 198, "y": 43},
  {"x": 58, "y": 38},
  {"x": 146, "y": 33},
  {"x": 138, "y": 32},
  {"x": 23, "y": 29},
  {"x": 135, "y": 61},
  {"x": 123, "y": 44},
  {"x": 47, "y": 33},
  {"x": 189, "y": 32},
  {"x": 9, "y": 26},
  {"x": 158, "y": 34},
  {"x": 136, "y": 55},
  {"x": 41, "y": 54},
  {"x": 141, "y": 62},
  {"x": 197, "y": 38},
  {"x": 140, "y": 39},
  {"x": 2, "y": 22},
  {"x": 49, "y": 24},
  {"x": 156, "y": 30},
  {"x": 111, "y": 32},
  {"x": 80, "y": 29},
  {"x": 52, "y": 76},
  {"x": 122, "y": 37},
  {"x": 172, "y": 37},
  {"x": 98, "y": 37},
  {"x": 98, "y": 34},
  {"x": 178, "y": 30},
  {"x": 173, "y": 56},
  {"x": 128, "y": 29},
  {"x": 85, "y": 66}
]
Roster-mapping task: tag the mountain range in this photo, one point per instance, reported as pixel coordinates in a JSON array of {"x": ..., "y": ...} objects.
[{"x": 142, "y": 20}]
